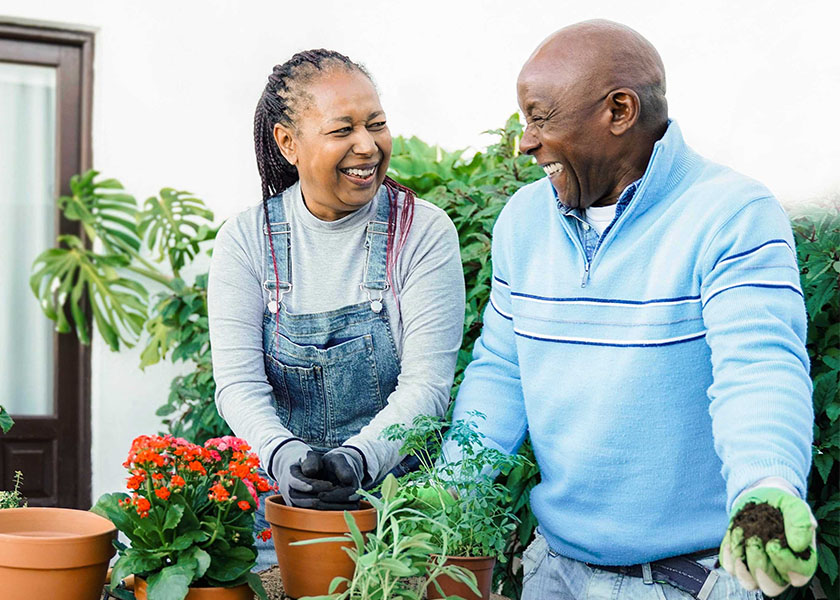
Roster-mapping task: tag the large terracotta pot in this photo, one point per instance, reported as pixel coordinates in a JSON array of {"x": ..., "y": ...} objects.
[
  {"x": 481, "y": 566},
  {"x": 308, "y": 570},
  {"x": 54, "y": 553},
  {"x": 240, "y": 592}
]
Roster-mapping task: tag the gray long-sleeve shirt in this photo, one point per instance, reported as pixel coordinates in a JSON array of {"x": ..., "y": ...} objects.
[{"x": 327, "y": 267}]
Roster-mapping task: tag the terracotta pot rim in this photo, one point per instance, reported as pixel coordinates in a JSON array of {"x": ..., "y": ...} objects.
[
  {"x": 277, "y": 500},
  {"x": 97, "y": 523},
  {"x": 138, "y": 578},
  {"x": 467, "y": 558}
]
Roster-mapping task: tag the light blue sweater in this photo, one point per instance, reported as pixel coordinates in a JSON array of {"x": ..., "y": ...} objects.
[{"x": 657, "y": 380}]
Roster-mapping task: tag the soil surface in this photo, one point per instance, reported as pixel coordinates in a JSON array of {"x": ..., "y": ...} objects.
[
  {"x": 767, "y": 523},
  {"x": 274, "y": 587}
]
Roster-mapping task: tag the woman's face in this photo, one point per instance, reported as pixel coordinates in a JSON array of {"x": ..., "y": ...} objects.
[{"x": 340, "y": 145}]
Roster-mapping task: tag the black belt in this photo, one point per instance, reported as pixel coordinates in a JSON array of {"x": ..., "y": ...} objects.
[{"x": 682, "y": 572}]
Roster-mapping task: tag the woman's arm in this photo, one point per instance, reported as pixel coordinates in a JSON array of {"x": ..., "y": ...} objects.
[
  {"x": 235, "y": 306},
  {"x": 431, "y": 298}
]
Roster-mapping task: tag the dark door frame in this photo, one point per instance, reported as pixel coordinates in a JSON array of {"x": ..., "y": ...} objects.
[{"x": 71, "y": 53}]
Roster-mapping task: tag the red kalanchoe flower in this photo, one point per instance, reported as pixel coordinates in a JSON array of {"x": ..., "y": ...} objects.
[
  {"x": 142, "y": 505},
  {"x": 178, "y": 481},
  {"x": 264, "y": 535},
  {"x": 162, "y": 493},
  {"x": 244, "y": 504},
  {"x": 219, "y": 493},
  {"x": 197, "y": 467},
  {"x": 239, "y": 470},
  {"x": 135, "y": 481}
]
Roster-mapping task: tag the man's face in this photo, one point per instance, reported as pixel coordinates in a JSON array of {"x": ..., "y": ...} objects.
[{"x": 567, "y": 132}]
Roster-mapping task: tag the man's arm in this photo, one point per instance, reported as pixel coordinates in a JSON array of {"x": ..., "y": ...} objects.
[
  {"x": 761, "y": 409},
  {"x": 492, "y": 385}
]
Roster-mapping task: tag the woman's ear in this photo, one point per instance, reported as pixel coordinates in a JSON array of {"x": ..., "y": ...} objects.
[{"x": 286, "y": 142}]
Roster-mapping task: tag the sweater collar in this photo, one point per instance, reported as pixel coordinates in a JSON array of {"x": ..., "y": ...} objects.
[{"x": 669, "y": 163}]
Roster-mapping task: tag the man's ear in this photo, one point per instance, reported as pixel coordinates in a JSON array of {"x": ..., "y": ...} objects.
[
  {"x": 625, "y": 107},
  {"x": 286, "y": 142}
]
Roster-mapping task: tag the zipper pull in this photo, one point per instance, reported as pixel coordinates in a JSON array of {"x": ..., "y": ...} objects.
[{"x": 585, "y": 279}]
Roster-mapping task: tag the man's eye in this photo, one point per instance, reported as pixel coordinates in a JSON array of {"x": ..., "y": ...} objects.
[
  {"x": 376, "y": 126},
  {"x": 342, "y": 131}
]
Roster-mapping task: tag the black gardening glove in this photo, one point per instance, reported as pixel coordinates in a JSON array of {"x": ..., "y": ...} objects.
[
  {"x": 307, "y": 481},
  {"x": 344, "y": 467},
  {"x": 296, "y": 468}
]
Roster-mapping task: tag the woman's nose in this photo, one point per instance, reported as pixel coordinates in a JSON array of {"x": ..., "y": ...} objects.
[{"x": 364, "y": 143}]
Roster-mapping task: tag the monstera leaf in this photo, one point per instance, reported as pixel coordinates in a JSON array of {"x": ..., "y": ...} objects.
[
  {"x": 6, "y": 421},
  {"x": 107, "y": 215},
  {"x": 71, "y": 273},
  {"x": 174, "y": 224}
]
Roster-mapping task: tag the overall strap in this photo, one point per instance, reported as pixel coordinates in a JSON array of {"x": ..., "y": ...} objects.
[
  {"x": 376, "y": 245},
  {"x": 281, "y": 240}
]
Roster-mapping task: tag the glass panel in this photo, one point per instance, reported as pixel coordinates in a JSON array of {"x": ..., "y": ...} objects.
[{"x": 27, "y": 227}]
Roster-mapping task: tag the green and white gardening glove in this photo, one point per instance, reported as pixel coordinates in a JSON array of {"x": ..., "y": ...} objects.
[
  {"x": 430, "y": 496},
  {"x": 769, "y": 566}
]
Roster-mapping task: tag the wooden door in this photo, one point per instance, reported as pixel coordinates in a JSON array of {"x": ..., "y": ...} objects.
[{"x": 45, "y": 104}]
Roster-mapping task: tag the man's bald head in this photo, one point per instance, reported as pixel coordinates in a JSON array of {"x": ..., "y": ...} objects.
[
  {"x": 593, "y": 96},
  {"x": 604, "y": 55}
]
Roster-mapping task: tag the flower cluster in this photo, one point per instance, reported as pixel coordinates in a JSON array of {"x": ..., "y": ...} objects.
[{"x": 160, "y": 466}]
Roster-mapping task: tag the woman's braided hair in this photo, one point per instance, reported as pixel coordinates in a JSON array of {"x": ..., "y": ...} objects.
[{"x": 282, "y": 101}]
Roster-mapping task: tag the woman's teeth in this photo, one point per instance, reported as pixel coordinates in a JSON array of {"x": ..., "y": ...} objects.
[
  {"x": 363, "y": 173},
  {"x": 552, "y": 168}
]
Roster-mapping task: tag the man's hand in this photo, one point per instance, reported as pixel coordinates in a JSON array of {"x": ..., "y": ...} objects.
[{"x": 770, "y": 566}]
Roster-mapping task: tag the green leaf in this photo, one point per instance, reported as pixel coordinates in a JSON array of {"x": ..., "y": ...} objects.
[
  {"x": 170, "y": 583},
  {"x": 198, "y": 558},
  {"x": 827, "y": 562},
  {"x": 134, "y": 561},
  {"x": 173, "y": 517},
  {"x": 6, "y": 421},
  {"x": 256, "y": 585}
]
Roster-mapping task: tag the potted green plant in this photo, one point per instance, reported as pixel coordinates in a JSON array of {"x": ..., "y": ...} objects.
[
  {"x": 398, "y": 559},
  {"x": 189, "y": 518},
  {"x": 460, "y": 499},
  {"x": 13, "y": 499},
  {"x": 309, "y": 570}
]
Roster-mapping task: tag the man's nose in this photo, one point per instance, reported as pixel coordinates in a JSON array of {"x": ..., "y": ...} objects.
[{"x": 529, "y": 143}]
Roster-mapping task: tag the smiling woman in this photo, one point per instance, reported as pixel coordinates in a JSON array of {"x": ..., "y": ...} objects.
[{"x": 339, "y": 286}]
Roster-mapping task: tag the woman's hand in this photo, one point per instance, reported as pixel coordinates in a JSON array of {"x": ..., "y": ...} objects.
[{"x": 343, "y": 466}]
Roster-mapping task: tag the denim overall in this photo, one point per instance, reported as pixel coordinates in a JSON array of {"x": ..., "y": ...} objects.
[{"x": 331, "y": 372}]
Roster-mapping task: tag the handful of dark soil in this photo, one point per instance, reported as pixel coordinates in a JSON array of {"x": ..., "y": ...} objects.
[{"x": 767, "y": 523}]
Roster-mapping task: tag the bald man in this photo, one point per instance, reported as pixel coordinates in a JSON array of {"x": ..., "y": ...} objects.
[{"x": 647, "y": 328}]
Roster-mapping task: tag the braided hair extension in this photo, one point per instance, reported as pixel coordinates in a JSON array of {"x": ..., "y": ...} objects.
[{"x": 282, "y": 101}]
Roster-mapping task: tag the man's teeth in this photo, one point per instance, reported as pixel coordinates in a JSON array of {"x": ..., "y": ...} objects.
[
  {"x": 552, "y": 168},
  {"x": 360, "y": 172}
]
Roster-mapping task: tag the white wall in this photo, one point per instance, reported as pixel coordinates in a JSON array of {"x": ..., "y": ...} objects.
[{"x": 753, "y": 84}]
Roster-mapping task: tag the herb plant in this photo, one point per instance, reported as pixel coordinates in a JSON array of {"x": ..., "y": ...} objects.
[
  {"x": 479, "y": 521},
  {"x": 394, "y": 552},
  {"x": 13, "y": 499},
  {"x": 190, "y": 515}
]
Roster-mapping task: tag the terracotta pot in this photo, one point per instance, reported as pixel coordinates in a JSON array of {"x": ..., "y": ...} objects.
[
  {"x": 481, "y": 566},
  {"x": 240, "y": 592},
  {"x": 308, "y": 570},
  {"x": 54, "y": 553}
]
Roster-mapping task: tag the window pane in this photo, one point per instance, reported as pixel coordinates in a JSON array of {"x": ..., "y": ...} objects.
[{"x": 27, "y": 227}]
